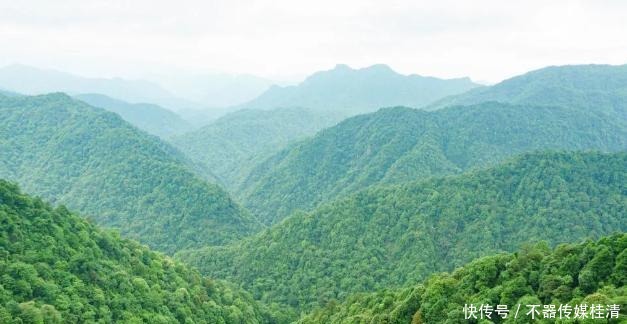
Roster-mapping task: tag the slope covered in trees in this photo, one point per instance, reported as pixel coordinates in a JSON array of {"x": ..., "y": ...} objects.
[
  {"x": 349, "y": 91},
  {"x": 571, "y": 274},
  {"x": 57, "y": 268},
  {"x": 96, "y": 163},
  {"x": 232, "y": 145},
  {"x": 399, "y": 144},
  {"x": 389, "y": 236},
  {"x": 148, "y": 117},
  {"x": 597, "y": 87}
]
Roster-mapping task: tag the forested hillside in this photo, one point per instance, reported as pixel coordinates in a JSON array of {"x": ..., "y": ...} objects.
[
  {"x": 232, "y": 145},
  {"x": 571, "y": 274},
  {"x": 401, "y": 144},
  {"x": 353, "y": 91},
  {"x": 96, "y": 163},
  {"x": 151, "y": 118},
  {"x": 595, "y": 87},
  {"x": 58, "y": 268},
  {"x": 390, "y": 236}
]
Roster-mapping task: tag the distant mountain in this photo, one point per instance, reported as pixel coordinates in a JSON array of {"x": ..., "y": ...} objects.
[
  {"x": 598, "y": 87},
  {"x": 589, "y": 273},
  {"x": 351, "y": 91},
  {"x": 396, "y": 145},
  {"x": 58, "y": 268},
  {"x": 232, "y": 145},
  {"x": 93, "y": 161},
  {"x": 216, "y": 89},
  {"x": 34, "y": 81},
  {"x": 391, "y": 236},
  {"x": 148, "y": 117}
]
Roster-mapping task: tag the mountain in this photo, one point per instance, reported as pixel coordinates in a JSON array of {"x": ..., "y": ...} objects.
[
  {"x": 351, "y": 91},
  {"x": 148, "y": 117},
  {"x": 571, "y": 274},
  {"x": 396, "y": 145},
  {"x": 232, "y": 145},
  {"x": 93, "y": 161},
  {"x": 391, "y": 236},
  {"x": 587, "y": 86},
  {"x": 34, "y": 81},
  {"x": 58, "y": 268},
  {"x": 216, "y": 89}
]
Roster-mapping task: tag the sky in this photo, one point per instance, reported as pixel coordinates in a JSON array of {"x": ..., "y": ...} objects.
[{"x": 487, "y": 40}]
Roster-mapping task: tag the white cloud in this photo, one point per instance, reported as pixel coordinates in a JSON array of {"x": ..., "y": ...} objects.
[{"x": 487, "y": 39}]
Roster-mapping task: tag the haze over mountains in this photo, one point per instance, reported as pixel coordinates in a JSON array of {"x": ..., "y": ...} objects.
[
  {"x": 232, "y": 145},
  {"x": 355, "y": 91},
  {"x": 310, "y": 194},
  {"x": 202, "y": 95},
  {"x": 33, "y": 81},
  {"x": 148, "y": 117},
  {"x": 216, "y": 89}
]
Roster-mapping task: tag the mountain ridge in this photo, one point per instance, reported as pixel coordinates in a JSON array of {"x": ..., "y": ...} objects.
[
  {"x": 354, "y": 91},
  {"x": 95, "y": 162}
]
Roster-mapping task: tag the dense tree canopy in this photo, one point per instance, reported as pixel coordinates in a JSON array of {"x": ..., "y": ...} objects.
[
  {"x": 596, "y": 87},
  {"x": 571, "y": 274},
  {"x": 232, "y": 145},
  {"x": 55, "y": 267},
  {"x": 388, "y": 236},
  {"x": 94, "y": 162},
  {"x": 396, "y": 145}
]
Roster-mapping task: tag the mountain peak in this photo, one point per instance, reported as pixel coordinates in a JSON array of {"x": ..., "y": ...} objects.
[
  {"x": 379, "y": 68},
  {"x": 342, "y": 67}
]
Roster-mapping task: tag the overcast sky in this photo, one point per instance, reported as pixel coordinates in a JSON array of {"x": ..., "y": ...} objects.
[{"x": 487, "y": 40}]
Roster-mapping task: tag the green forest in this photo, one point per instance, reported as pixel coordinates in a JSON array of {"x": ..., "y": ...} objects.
[
  {"x": 58, "y": 268},
  {"x": 367, "y": 150},
  {"x": 232, "y": 145},
  {"x": 94, "y": 162},
  {"x": 589, "y": 273},
  {"x": 355, "y": 196},
  {"x": 388, "y": 236}
]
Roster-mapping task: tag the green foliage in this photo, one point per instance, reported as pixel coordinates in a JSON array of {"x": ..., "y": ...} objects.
[
  {"x": 57, "y": 268},
  {"x": 400, "y": 144},
  {"x": 534, "y": 275},
  {"x": 598, "y": 87},
  {"x": 232, "y": 145},
  {"x": 94, "y": 162},
  {"x": 151, "y": 118},
  {"x": 389, "y": 236}
]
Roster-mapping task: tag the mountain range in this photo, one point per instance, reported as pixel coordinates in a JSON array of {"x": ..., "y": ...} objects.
[
  {"x": 395, "y": 145},
  {"x": 148, "y": 117},
  {"x": 94, "y": 162},
  {"x": 390, "y": 236},
  {"x": 594, "y": 86},
  {"x": 235, "y": 143},
  {"x": 338, "y": 200},
  {"x": 353, "y": 91}
]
